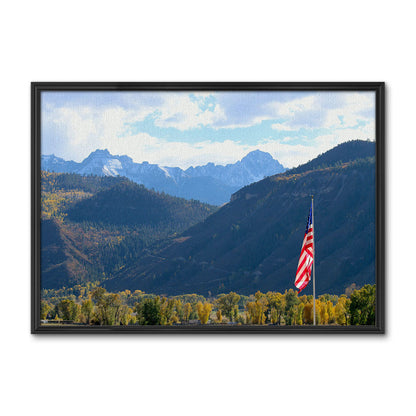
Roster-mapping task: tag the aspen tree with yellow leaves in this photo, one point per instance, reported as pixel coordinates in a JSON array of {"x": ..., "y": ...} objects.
[{"x": 204, "y": 310}]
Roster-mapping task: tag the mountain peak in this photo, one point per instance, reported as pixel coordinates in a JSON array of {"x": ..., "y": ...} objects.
[
  {"x": 100, "y": 152},
  {"x": 209, "y": 183},
  {"x": 257, "y": 154},
  {"x": 261, "y": 163}
]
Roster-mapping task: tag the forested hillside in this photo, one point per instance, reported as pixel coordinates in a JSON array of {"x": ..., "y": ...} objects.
[
  {"x": 113, "y": 232},
  {"x": 253, "y": 243},
  {"x": 127, "y": 203},
  {"x": 344, "y": 152},
  {"x": 93, "y": 226}
]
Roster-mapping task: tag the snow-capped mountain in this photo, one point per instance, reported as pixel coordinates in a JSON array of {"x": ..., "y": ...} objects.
[
  {"x": 210, "y": 183},
  {"x": 57, "y": 164},
  {"x": 251, "y": 168},
  {"x": 101, "y": 162}
]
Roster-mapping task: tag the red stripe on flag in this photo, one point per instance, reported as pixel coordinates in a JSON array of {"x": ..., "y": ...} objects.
[{"x": 303, "y": 272}]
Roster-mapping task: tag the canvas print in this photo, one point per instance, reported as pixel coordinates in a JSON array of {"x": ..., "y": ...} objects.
[{"x": 221, "y": 209}]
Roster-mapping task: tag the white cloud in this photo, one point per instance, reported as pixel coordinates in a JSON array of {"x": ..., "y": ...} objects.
[
  {"x": 184, "y": 112},
  {"x": 292, "y": 155},
  {"x": 143, "y": 147},
  {"x": 356, "y": 108},
  {"x": 73, "y": 131},
  {"x": 290, "y": 108},
  {"x": 282, "y": 127},
  {"x": 84, "y": 129},
  {"x": 325, "y": 110},
  {"x": 286, "y": 111}
]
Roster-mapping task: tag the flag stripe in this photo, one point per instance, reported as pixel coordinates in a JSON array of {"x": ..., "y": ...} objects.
[
  {"x": 300, "y": 274},
  {"x": 303, "y": 275},
  {"x": 303, "y": 272}
]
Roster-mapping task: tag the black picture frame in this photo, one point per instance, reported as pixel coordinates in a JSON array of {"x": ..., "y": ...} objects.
[{"x": 38, "y": 87}]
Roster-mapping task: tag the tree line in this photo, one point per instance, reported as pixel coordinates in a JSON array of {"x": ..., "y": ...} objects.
[{"x": 93, "y": 305}]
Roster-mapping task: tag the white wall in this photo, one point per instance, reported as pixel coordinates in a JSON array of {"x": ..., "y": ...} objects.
[{"x": 211, "y": 41}]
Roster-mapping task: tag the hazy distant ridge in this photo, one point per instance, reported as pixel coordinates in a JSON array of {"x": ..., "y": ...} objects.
[{"x": 210, "y": 183}]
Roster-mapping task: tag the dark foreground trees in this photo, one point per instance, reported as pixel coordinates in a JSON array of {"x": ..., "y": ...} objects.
[
  {"x": 362, "y": 307},
  {"x": 96, "y": 306},
  {"x": 149, "y": 312},
  {"x": 228, "y": 304}
]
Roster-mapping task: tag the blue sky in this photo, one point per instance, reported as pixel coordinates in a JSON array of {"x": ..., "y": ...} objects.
[{"x": 193, "y": 128}]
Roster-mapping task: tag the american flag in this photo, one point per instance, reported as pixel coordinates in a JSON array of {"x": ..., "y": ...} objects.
[{"x": 303, "y": 273}]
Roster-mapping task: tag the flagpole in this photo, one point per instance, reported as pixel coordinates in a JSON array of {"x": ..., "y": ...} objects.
[{"x": 313, "y": 265}]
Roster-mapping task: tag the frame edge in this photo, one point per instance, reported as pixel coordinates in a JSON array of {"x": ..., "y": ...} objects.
[{"x": 37, "y": 87}]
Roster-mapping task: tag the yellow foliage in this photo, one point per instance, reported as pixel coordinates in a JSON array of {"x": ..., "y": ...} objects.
[
  {"x": 341, "y": 311},
  {"x": 53, "y": 203},
  {"x": 187, "y": 309},
  {"x": 219, "y": 316},
  {"x": 274, "y": 316},
  {"x": 299, "y": 314},
  {"x": 204, "y": 310},
  {"x": 308, "y": 313},
  {"x": 323, "y": 313},
  {"x": 330, "y": 311},
  {"x": 256, "y": 310}
]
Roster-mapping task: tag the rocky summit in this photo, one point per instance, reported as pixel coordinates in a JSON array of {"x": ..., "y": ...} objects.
[{"x": 213, "y": 184}]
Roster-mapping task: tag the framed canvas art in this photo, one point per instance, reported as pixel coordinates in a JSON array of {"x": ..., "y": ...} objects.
[{"x": 208, "y": 207}]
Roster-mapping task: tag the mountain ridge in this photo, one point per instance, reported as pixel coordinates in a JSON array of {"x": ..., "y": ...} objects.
[
  {"x": 253, "y": 243},
  {"x": 210, "y": 183},
  {"x": 94, "y": 225}
]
